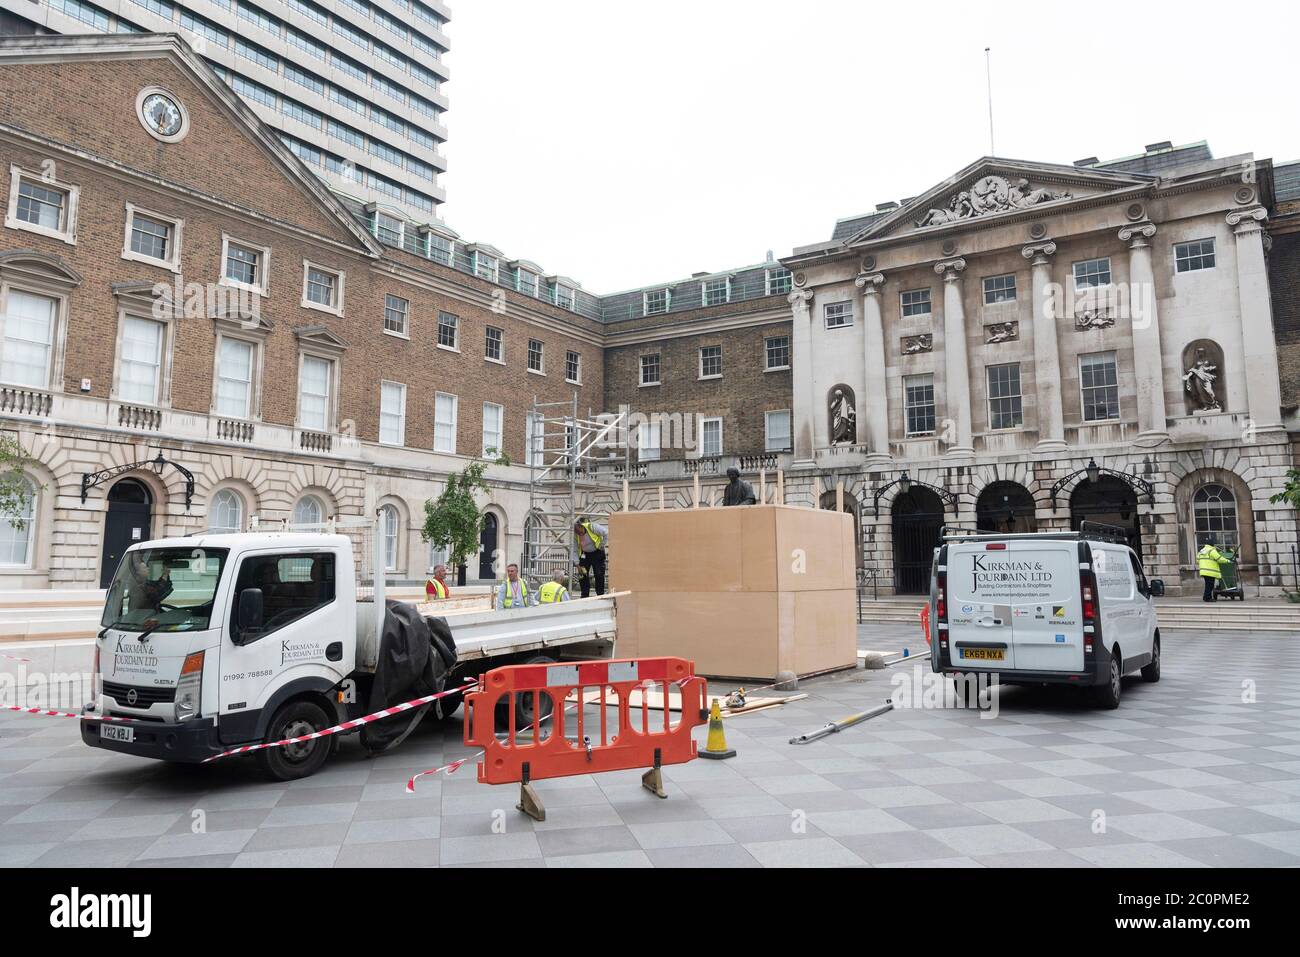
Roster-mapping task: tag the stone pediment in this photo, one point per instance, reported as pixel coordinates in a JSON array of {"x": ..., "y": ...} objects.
[
  {"x": 991, "y": 188},
  {"x": 989, "y": 195}
]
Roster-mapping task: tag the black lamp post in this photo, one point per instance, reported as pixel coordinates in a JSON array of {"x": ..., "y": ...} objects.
[
  {"x": 1093, "y": 470},
  {"x": 905, "y": 483}
]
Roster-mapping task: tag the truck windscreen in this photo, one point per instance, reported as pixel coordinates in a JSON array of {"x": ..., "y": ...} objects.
[{"x": 164, "y": 589}]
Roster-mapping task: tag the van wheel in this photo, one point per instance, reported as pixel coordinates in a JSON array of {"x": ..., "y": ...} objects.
[
  {"x": 293, "y": 761},
  {"x": 1152, "y": 671},
  {"x": 1107, "y": 695}
]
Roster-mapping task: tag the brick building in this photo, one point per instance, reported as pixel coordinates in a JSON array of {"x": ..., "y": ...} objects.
[{"x": 341, "y": 359}]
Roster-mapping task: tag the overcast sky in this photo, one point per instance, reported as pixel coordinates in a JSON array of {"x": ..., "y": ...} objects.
[{"x": 625, "y": 144}]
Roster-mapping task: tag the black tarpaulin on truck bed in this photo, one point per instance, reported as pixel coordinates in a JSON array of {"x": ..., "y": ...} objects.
[{"x": 412, "y": 662}]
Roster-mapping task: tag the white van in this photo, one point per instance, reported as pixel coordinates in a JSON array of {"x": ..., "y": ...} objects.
[{"x": 1045, "y": 608}]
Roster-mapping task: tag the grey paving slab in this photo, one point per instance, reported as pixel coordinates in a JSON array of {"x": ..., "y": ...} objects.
[
  {"x": 812, "y": 852},
  {"x": 680, "y": 834}
]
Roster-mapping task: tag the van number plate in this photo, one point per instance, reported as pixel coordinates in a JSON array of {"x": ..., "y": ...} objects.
[
  {"x": 117, "y": 732},
  {"x": 984, "y": 654}
]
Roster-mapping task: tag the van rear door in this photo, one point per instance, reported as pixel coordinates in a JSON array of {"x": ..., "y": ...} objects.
[
  {"x": 979, "y": 615},
  {"x": 1047, "y": 608}
]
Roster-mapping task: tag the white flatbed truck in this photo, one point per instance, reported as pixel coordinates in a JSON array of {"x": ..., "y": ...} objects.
[{"x": 220, "y": 640}]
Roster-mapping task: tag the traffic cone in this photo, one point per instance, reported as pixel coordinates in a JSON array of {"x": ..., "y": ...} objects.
[{"x": 716, "y": 746}]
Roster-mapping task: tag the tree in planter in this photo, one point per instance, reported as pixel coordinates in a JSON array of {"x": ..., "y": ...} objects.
[
  {"x": 454, "y": 522},
  {"x": 15, "y": 490}
]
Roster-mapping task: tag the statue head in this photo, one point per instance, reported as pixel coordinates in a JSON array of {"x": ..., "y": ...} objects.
[{"x": 733, "y": 473}]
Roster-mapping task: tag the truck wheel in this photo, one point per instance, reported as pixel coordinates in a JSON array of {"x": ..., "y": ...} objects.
[
  {"x": 1107, "y": 695},
  {"x": 293, "y": 761},
  {"x": 1152, "y": 671},
  {"x": 524, "y": 703},
  {"x": 444, "y": 709}
]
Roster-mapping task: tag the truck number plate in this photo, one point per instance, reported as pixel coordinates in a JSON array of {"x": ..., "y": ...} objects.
[
  {"x": 117, "y": 732},
  {"x": 984, "y": 654}
]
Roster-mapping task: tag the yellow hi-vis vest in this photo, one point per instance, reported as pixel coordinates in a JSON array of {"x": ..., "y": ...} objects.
[
  {"x": 435, "y": 589},
  {"x": 551, "y": 592},
  {"x": 592, "y": 534},
  {"x": 508, "y": 593},
  {"x": 1207, "y": 561}
]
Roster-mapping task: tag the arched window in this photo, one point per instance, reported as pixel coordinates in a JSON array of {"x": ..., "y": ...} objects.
[
  {"x": 389, "y": 529},
  {"x": 308, "y": 511},
  {"x": 439, "y": 556},
  {"x": 226, "y": 513},
  {"x": 16, "y": 532},
  {"x": 1214, "y": 510}
]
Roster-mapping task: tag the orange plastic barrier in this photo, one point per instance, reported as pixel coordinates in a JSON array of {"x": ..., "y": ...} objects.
[
  {"x": 925, "y": 622},
  {"x": 572, "y": 742}
]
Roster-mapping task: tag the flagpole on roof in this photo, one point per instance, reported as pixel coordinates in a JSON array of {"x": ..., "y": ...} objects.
[{"x": 988, "y": 74}]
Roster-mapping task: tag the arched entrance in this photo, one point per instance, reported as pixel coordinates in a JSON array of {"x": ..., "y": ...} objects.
[
  {"x": 916, "y": 519},
  {"x": 1005, "y": 507},
  {"x": 487, "y": 548},
  {"x": 128, "y": 520},
  {"x": 1110, "y": 501}
]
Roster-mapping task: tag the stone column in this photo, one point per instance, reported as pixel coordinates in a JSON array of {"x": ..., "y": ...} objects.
[
  {"x": 1263, "y": 391},
  {"x": 1047, "y": 362},
  {"x": 956, "y": 365},
  {"x": 1148, "y": 358},
  {"x": 805, "y": 408},
  {"x": 875, "y": 392}
]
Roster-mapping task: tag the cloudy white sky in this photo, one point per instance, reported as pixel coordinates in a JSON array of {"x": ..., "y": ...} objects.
[{"x": 626, "y": 143}]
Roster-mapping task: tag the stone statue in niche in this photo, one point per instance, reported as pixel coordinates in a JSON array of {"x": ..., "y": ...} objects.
[
  {"x": 913, "y": 345},
  {"x": 844, "y": 419},
  {"x": 1001, "y": 332},
  {"x": 1199, "y": 380},
  {"x": 990, "y": 194}
]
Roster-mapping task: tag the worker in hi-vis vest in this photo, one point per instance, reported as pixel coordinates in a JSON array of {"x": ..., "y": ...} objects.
[
  {"x": 553, "y": 590},
  {"x": 513, "y": 592},
  {"x": 435, "y": 586},
  {"x": 589, "y": 548},
  {"x": 1208, "y": 560}
]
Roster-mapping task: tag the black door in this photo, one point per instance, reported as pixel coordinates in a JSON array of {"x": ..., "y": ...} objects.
[
  {"x": 1111, "y": 502},
  {"x": 917, "y": 524},
  {"x": 127, "y": 522},
  {"x": 488, "y": 547}
]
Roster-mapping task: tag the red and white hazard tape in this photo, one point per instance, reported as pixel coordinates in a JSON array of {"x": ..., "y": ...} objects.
[
  {"x": 60, "y": 714},
  {"x": 346, "y": 725},
  {"x": 449, "y": 768},
  {"x": 15, "y": 658}
]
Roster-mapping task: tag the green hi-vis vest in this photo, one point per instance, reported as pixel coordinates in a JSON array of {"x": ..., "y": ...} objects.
[
  {"x": 508, "y": 593},
  {"x": 551, "y": 592},
  {"x": 592, "y": 534},
  {"x": 1207, "y": 560}
]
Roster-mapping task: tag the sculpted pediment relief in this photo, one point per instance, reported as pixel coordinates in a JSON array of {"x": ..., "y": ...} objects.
[
  {"x": 988, "y": 195},
  {"x": 990, "y": 188}
]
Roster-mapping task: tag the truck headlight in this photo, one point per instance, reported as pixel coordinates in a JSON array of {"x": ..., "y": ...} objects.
[{"x": 189, "y": 689}]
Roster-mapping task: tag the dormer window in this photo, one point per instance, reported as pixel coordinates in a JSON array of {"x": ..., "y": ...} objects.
[
  {"x": 387, "y": 229},
  {"x": 715, "y": 292},
  {"x": 656, "y": 302},
  {"x": 485, "y": 266}
]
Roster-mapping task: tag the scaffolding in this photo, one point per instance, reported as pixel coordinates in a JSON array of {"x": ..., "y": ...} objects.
[{"x": 578, "y": 469}]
